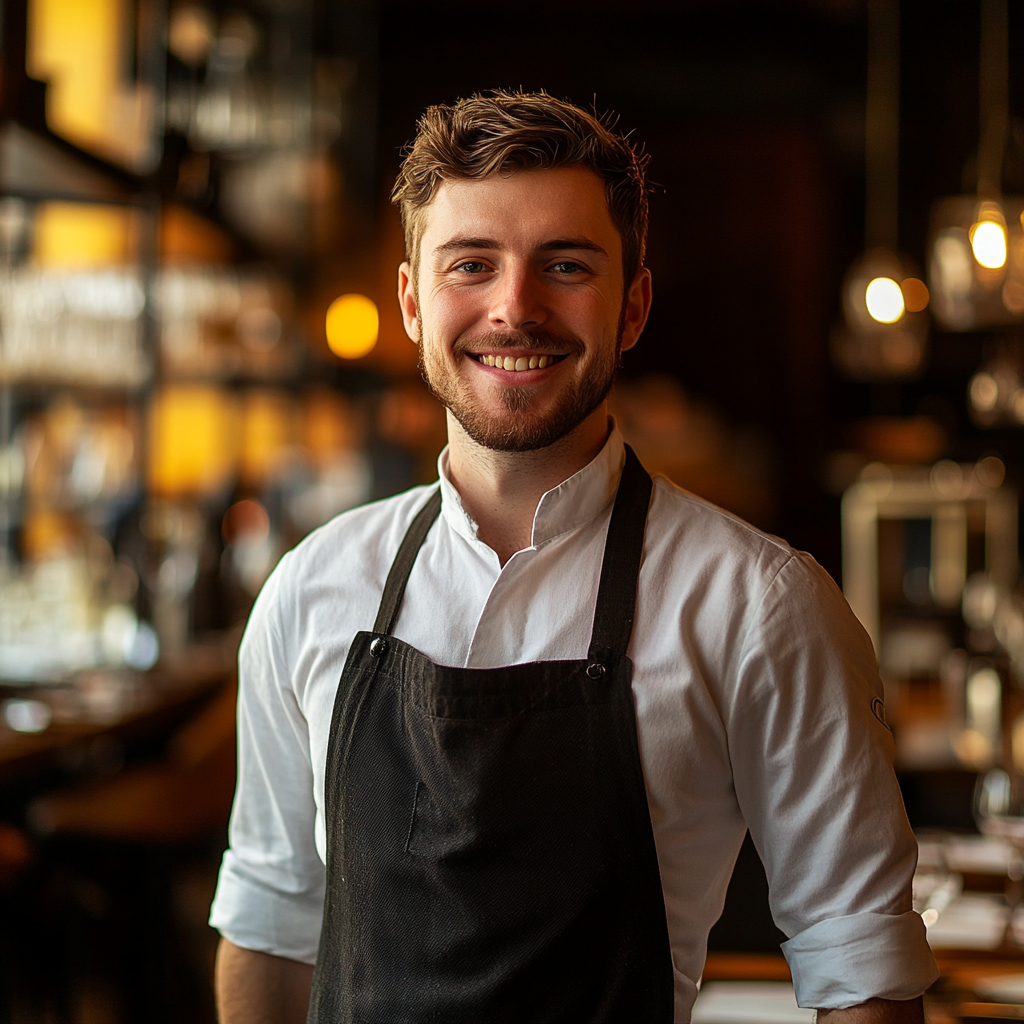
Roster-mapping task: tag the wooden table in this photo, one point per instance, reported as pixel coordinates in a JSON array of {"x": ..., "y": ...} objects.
[
  {"x": 99, "y": 714},
  {"x": 952, "y": 1000}
]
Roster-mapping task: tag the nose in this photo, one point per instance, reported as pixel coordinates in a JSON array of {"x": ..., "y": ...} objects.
[{"x": 516, "y": 301}]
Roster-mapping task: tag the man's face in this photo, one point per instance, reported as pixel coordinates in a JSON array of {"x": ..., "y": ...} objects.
[{"x": 518, "y": 304}]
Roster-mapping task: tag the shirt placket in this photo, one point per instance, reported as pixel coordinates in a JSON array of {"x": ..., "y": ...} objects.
[{"x": 492, "y": 642}]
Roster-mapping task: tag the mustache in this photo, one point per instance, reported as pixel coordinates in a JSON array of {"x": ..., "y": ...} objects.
[{"x": 541, "y": 341}]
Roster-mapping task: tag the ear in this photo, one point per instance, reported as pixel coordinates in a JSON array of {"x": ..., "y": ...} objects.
[
  {"x": 637, "y": 308},
  {"x": 407, "y": 302}
]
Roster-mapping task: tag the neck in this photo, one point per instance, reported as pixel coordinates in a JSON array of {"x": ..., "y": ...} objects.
[{"x": 501, "y": 490}]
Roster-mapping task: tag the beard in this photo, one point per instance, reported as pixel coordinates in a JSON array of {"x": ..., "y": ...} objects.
[{"x": 519, "y": 426}]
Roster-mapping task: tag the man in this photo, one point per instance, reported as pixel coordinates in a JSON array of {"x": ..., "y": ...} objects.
[{"x": 520, "y": 820}]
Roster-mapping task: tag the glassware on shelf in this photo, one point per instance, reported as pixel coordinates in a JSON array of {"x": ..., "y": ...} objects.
[
  {"x": 175, "y": 532},
  {"x": 73, "y": 326},
  {"x": 216, "y": 322},
  {"x": 57, "y": 618},
  {"x": 75, "y": 456}
]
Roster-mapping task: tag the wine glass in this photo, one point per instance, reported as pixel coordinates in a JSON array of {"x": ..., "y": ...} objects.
[
  {"x": 999, "y": 805},
  {"x": 999, "y": 813}
]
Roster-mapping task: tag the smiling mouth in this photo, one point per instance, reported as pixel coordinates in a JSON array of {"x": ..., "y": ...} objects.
[{"x": 517, "y": 363}]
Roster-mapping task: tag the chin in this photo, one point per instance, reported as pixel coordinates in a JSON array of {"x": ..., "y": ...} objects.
[{"x": 507, "y": 431}]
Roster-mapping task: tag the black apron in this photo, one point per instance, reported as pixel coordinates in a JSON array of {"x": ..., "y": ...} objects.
[{"x": 490, "y": 856}]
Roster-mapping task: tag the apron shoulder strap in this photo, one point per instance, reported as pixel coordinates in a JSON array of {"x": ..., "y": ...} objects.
[
  {"x": 394, "y": 588},
  {"x": 623, "y": 550}
]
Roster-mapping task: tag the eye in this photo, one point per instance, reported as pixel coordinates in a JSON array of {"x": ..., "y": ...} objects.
[
  {"x": 567, "y": 267},
  {"x": 472, "y": 267}
]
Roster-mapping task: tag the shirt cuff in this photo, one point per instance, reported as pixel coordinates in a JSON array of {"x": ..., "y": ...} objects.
[
  {"x": 847, "y": 960},
  {"x": 256, "y": 917}
]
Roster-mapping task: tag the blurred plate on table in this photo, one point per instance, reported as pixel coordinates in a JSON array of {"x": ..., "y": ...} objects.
[
  {"x": 749, "y": 1002},
  {"x": 1006, "y": 988},
  {"x": 971, "y": 921},
  {"x": 983, "y": 1013},
  {"x": 979, "y": 855}
]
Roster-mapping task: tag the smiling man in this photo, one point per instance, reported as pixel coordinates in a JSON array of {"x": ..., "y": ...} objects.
[{"x": 565, "y": 690}]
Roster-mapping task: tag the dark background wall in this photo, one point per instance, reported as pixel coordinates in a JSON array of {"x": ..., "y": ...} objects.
[{"x": 753, "y": 116}]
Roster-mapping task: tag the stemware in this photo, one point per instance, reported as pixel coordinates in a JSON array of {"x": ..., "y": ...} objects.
[{"x": 999, "y": 813}]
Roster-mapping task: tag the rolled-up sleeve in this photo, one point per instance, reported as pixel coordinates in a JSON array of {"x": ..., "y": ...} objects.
[
  {"x": 812, "y": 767},
  {"x": 271, "y": 888}
]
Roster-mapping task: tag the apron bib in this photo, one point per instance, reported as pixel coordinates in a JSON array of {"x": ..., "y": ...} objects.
[{"x": 490, "y": 856}]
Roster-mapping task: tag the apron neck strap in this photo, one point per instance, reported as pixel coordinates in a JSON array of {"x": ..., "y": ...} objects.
[
  {"x": 623, "y": 550},
  {"x": 394, "y": 588},
  {"x": 616, "y": 595}
]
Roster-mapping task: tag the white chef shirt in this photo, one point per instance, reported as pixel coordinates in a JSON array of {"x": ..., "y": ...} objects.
[{"x": 753, "y": 684}]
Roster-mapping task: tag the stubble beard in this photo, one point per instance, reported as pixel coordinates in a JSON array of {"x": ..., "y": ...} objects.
[{"x": 520, "y": 429}]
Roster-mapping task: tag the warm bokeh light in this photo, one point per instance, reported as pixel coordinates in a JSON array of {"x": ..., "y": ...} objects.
[
  {"x": 984, "y": 392},
  {"x": 884, "y": 300},
  {"x": 185, "y": 237},
  {"x": 991, "y": 470},
  {"x": 82, "y": 235},
  {"x": 248, "y": 519},
  {"x": 79, "y": 47},
  {"x": 190, "y": 33},
  {"x": 193, "y": 433},
  {"x": 352, "y": 326},
  {"x": 268, "y": 428},
  {"x": 328, "y": 425},
  {"x": 74, "y": 44},
  {"x": 988, "y": 240},
  {"x": 915, "y": 294}
]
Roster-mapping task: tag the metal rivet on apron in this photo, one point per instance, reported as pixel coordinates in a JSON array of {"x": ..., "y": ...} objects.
[
  {"x": 595, "y": 670},
  {"x": 379, "y": 647}
]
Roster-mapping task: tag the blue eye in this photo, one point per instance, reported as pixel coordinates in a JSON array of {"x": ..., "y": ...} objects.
[
  {"x": 567, "y": 267},
  {"x": 471, "y": 267}
]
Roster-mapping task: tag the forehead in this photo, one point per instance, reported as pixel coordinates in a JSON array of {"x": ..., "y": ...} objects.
[{"x": 522, "y": 209}]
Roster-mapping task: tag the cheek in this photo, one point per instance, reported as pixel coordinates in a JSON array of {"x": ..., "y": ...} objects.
[
  {"x": 451, "y": 312},
  {"x": 591, "y": 310}
]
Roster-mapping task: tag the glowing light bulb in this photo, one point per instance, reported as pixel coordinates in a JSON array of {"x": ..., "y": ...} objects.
[
  {"x": 988, "y": 240},
  {"x": 352, "y": 326},
  {"x": 984, "y": 392},
  {"x": 884, "y": 300},
  {"x": 915, "y": 294}
]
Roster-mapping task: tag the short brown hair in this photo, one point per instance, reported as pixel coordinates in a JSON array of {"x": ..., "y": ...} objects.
[{"x": 518, "y": 131}]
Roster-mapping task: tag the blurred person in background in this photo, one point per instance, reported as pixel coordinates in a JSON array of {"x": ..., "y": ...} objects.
[{"x": 498, "y": 815}]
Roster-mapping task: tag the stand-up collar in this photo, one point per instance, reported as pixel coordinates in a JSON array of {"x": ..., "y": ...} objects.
[{"x": 584, "y": 496}]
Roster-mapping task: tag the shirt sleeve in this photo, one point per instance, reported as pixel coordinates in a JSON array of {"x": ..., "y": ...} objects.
[
  {"x": 271, "y": 888},
  {"x": 812, "y": 767}
]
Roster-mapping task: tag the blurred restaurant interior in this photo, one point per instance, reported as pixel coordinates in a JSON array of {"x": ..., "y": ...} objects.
[{"x": 202, "y": 359}]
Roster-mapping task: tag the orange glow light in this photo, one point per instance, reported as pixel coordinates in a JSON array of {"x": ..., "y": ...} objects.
[
  {"x": 352, "y": 326},
  {"x": 915, "y": 294}
]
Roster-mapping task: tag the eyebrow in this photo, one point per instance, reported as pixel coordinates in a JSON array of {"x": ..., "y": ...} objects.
[
  {"x": 555, "y": 245},
  {"x": 560, "y": 244},
  {"x": 455, "y": 244}
]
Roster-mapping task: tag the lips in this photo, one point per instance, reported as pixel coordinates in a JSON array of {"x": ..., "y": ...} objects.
[{"x": 516, "y": 363}]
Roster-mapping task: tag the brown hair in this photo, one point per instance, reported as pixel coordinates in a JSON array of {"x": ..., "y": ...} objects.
[{"x": 518, "y": 131}]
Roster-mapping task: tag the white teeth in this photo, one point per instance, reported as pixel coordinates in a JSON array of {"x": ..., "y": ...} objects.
[{"x": 518, "y": 363}]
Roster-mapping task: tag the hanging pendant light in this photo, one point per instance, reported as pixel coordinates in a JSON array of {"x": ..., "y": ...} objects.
[
  {"x": 885, "y": 332},
  {"x": 976, "y": 250}
]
